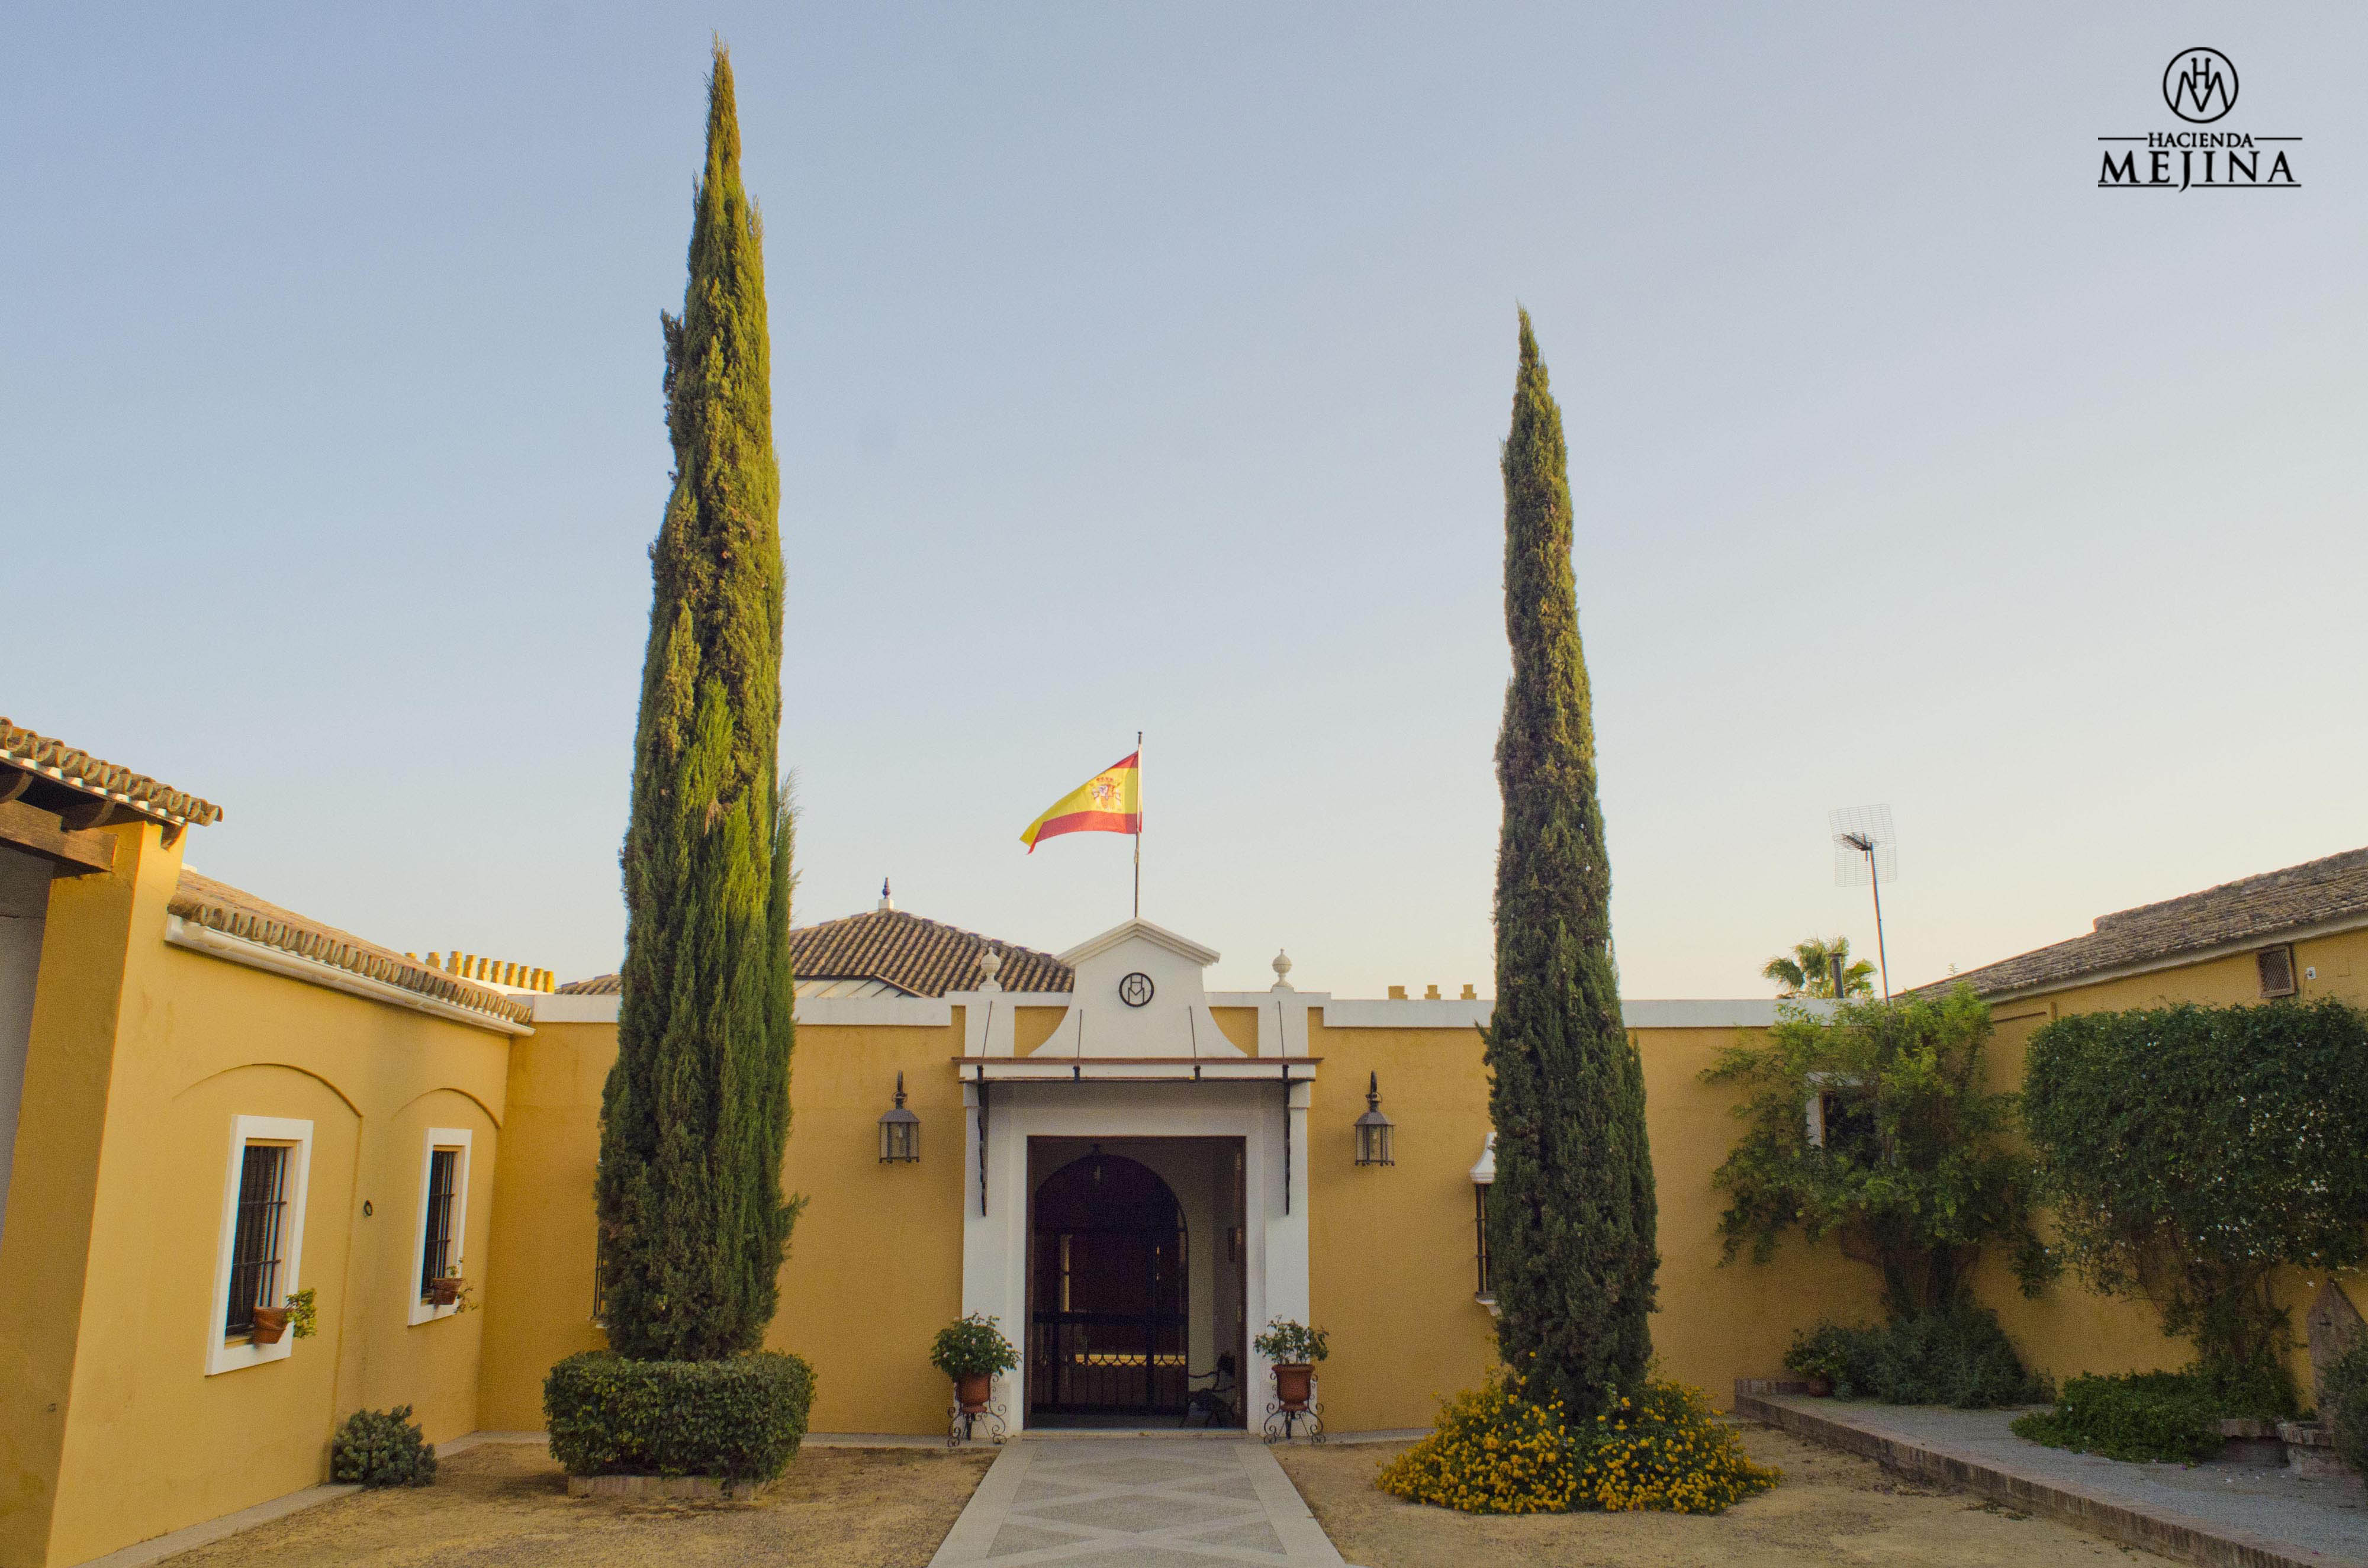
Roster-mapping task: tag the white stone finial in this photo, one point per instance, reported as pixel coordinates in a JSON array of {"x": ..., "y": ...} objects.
[
  {"x": 1281, "y": 971},
  {"x": 887, "y": 899},
  {"x": 990, "y": 965}
]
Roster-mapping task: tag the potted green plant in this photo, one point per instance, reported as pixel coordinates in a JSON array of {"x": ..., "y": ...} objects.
[
  {"x": 970, "y": 1351},
  {"x": 297, "y": 1316},
  {"x": 1293, "y": 1349},
  {"x": 444, "y": 1291}
]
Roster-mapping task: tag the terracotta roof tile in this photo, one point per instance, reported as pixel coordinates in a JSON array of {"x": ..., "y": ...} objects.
[
  {"x": 61, "y": 768},
  {"x": 919, "y": 956},
  {"x": 2251, "y": 909},
  {"x": 218, "y": 907}
]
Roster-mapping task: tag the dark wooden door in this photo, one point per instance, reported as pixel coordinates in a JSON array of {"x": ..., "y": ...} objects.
[{"x": 1109, "y": 1333}]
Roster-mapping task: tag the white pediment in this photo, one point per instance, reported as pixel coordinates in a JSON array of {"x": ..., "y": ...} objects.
[
  {"x": 1140, "y": 931},
  {"x": 1139, "y": 992}
]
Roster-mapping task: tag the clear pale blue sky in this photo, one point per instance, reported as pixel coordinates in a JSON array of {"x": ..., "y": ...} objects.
[{"x": 1145, "y": 366}]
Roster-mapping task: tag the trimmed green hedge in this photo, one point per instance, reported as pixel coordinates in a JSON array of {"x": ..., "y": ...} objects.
[
  {"x": 2136, "y": 1415},
  {"x": 741, "y": 1417},
  {"x": 2345, "y": 1413},
  {"x": 1958, "y": 1355}
]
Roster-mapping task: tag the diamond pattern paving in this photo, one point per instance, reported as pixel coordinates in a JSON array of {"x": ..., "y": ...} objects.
[{"x": 1136, "y": 1502}]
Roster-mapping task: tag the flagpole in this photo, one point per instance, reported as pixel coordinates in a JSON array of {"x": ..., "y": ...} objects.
[{"x": 1138, "y": 825}]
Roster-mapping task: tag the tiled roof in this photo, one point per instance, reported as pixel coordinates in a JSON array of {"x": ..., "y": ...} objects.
[
  {"x": 218, "y": 907},
  {"x": 2251, "y": 909},
  {"x": 920, "y": 958},
  {"x": 59, "y": 767}
]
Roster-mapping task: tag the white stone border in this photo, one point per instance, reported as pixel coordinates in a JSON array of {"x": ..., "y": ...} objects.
[
  {"x": 224, "y": 1354},
  {"x": 421, "y": 1310},
  {"x": 995, "y": 1245}
]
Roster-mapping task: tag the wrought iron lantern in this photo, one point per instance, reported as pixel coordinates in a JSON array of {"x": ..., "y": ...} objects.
[
  {"x": 1373, "y": 1128},
  {"x": 900, "y": 1131}
]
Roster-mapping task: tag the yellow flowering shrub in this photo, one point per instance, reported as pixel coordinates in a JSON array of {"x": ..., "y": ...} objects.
[
  {"x": 1665, "y": 1449},
  {"x": 1494, "y": 1452}
]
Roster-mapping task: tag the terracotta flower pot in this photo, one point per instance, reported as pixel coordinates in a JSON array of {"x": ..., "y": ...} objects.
[
  {"x": 270, "y": 1323},
  {"x": 443, "y": 1292},
  {"x": 973, "y": 1391},
  {"x": 1293, "y": 1384}
]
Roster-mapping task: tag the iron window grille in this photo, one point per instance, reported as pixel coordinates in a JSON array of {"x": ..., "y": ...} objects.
[
  {"x": 256, "y": 1241},
  {"x": 436, "y": 1253},
  {"x": 1480, "y": 1229}
]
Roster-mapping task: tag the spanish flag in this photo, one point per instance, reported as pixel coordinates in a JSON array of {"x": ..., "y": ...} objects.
[{"x": 1111, "y": 801}]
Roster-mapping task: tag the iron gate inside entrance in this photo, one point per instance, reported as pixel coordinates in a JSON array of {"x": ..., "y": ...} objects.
[{"x": 1108, "y": 1335}]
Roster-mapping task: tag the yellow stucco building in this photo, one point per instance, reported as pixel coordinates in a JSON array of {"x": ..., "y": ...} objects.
[{"x": 217, "y": 1103}]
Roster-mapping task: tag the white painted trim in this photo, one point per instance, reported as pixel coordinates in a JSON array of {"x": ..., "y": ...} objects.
[
  {"x": 199, "y": 938},
  {"x": 553, "y": 1008},
  {"x": 878, "y": 1012},
  {"x": 1640, "y": 1013},
  {"x": 995, "y": 1245},
  {"x": 1232, "y": 1067},
  {"x": 887, "y": 1012},
  {"x": 1287, "y": 1039},
  {"x": 1157, "y": 936},
  {"x": 224, "y": 1354},
  {"x": 438, "y": 1138}
]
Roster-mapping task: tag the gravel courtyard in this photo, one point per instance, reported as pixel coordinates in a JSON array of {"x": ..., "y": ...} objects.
[
  {"x": 505, "y": 1504},
  {"x": 1832, "y": 1508}
]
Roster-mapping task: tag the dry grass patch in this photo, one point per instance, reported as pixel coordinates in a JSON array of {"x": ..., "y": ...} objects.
[
  {"x": 1832, "y": 1507},
  {"x": 507, "y": 1503}
]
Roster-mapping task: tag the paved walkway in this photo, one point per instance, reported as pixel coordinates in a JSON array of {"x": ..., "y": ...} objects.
[
  {"x": 1136, "y": 1502},
  {"x": 2213, "y": 1512}
]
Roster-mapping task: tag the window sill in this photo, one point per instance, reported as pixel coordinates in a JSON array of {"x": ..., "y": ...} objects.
[{"x": 236, "y": 1354}]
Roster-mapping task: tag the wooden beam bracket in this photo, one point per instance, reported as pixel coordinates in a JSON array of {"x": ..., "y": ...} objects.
[{"x": 36, "y": 832}]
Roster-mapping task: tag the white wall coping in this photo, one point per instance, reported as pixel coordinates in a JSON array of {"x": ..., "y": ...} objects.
[
  {"x": 1388, "y": 1013},
  {"x": 216, "y": 944}
]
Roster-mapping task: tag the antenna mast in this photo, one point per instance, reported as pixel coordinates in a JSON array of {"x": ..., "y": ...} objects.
[{"x": 1866, "y": 850}]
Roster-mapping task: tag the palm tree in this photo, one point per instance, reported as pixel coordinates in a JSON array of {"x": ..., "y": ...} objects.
[{"x": 1808, "y": 970}]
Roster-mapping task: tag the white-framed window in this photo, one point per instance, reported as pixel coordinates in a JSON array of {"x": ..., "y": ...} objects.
[
  {"x": 1840, "y": 1114},
  {"x": 441, "y": 1225},
  {"x": 262, "y": 1246}
]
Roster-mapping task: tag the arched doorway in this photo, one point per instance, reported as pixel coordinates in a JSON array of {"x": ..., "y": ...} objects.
[{"x": 1109, "y": 1271}]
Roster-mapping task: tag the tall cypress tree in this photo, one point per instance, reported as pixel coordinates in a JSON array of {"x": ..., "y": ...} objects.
[
  {"x": 695, "y": 1111},
  {"x": 1571, "y": 1214}
]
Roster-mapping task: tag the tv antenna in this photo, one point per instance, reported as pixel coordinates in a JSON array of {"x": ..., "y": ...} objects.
[{"x": 1866, "y": 851}]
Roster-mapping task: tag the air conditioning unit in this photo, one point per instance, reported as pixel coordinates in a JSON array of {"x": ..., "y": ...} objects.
[{"x": 2276, "y": 965}]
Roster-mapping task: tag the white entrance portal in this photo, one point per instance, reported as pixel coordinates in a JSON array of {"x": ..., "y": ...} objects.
[{"x": 1136, "y": 1055}]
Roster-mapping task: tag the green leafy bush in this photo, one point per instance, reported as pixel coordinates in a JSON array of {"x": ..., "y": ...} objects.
[
  {"x": 2136, "y": 1415},
  {"x": 2345, "y": 1411},
  {"x": 1495, "y": 1450},
  {"x": 972, "y": 1345},
  {"x": 1957, "y": 1356},
  {"x": 1916, "y": 1171},
  {"x": 1287, "y": 1343},
  {"x": 741, "y": 1417},
  {"x": 2190, "y": 1152},
  {"x": 382, "y": 1447}
]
